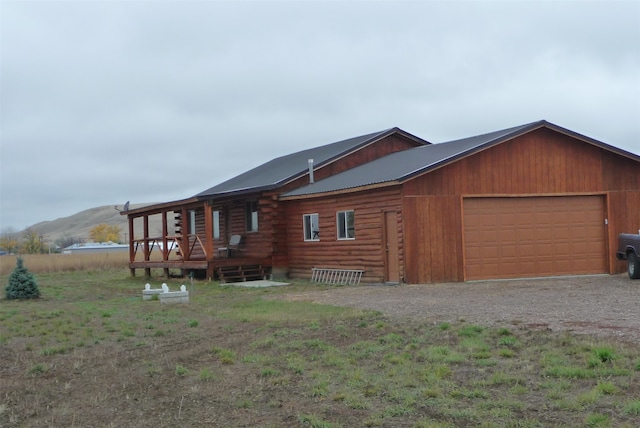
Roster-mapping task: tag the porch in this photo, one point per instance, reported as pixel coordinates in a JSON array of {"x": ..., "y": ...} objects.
[
  {"x": 223, "y": 270},
  {"x": 188, "y": 253},
  {"x": 193, "y": 237}
]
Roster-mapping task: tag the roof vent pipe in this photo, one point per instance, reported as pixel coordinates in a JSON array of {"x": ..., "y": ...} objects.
[{"x": 310, "y": 170}]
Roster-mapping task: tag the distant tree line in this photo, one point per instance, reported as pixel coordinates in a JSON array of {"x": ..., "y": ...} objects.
[{"x": 31, "y": 242}]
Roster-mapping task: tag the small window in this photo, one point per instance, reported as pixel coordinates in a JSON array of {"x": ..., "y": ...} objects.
[
  {"x": 192, "y": 222},
  {"x": 311, "y": 227},
  {"x": 216, "y": 225},
  {"x": 345, "y": 225},
  {"x": 251, "y": 216}
]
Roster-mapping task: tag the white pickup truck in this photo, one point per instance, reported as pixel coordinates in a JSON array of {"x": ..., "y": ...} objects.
[{"x": 629, "y": 250}]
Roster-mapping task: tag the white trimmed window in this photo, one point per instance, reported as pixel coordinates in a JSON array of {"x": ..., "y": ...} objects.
[
  {"x": 251, "y": 216},
  {"x": 216, "y": 225},
  {"x": 345, "y": 225},
  {"x": 192, "y": 222},
  {"x": 311, "y": 227}
]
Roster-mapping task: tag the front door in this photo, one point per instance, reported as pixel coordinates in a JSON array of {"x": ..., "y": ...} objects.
[{"x": 390, "y": 242}]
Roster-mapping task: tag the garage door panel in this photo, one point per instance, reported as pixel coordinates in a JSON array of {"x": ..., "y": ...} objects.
[
  {"x": 534, "y": 236},
  {"x": 524, "y": 234}
]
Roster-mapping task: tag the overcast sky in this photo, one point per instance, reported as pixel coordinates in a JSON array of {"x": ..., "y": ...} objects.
[{"x": 152, "y": 101}]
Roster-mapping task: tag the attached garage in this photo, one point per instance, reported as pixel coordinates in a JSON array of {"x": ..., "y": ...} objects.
[
  {"x": 536, "y": 200},
  {"x": 511, "y": 237}
]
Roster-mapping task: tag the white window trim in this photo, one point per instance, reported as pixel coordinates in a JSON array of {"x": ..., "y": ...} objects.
[
  {"x": 192, "y": 222},
  {"x": 315, "y": 234},
  {"x": 216, "y": 224},
  {"x": 254, "y": 215},
  {"x": 346, "y": 238}
]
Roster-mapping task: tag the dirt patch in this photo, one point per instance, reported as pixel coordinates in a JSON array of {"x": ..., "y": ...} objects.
[{"x": 602, "y": 305}]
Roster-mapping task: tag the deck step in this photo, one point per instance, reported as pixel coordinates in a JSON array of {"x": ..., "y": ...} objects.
[{"x": 235, "y": 273}]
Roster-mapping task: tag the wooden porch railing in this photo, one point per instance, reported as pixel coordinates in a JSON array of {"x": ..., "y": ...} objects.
[{"x": 172, "y": 242}]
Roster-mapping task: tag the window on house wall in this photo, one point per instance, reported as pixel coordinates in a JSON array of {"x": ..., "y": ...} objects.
[
  {"x": 216, "y": 225},
  {"x": 251, "y": 216},
  {"x": 345, "y": 225},
  {"x": 311, "y": 227},
  {"x": 192, "y": 222}
]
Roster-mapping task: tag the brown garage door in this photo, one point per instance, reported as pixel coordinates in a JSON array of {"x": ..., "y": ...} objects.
[{"x": 537, "y": 236}]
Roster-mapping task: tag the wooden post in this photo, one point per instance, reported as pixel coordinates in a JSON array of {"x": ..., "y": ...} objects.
[
  {"x": 165, "y": 232},
  {"x": 208, "y": 239},
  {"x": 147, "y": 252},
  {"x": 146, "y": 237},
  {"x": 165, "y": 241},
  {"x": 185, "y": 234},
  {"x": 131, "y": 251},
  {"x": 208, "y": 231}
]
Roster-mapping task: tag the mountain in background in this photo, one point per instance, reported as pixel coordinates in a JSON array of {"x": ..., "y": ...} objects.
[{"x": 77, "y": 226}]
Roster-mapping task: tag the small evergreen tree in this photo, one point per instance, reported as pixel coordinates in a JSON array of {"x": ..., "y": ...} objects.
[{"x": 22, "y": 284}]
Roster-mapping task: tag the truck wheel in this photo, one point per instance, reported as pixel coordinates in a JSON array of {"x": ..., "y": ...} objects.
[{"x": 633, "y": 266}]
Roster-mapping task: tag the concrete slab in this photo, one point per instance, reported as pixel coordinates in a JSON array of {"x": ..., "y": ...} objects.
[{"x": 258, "y": 284}]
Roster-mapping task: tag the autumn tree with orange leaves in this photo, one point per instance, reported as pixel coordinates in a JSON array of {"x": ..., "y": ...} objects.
[{"x": 105, "y": 233}]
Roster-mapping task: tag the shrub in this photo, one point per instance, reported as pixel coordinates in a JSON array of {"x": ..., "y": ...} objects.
[{"x": 22, "y": 284}]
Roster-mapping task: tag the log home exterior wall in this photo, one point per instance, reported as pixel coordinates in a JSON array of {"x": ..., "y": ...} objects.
[
  {"x": 269, "y": 244},
  {"x": 422, "y": 212},
  {"x": 365, "y": 252},
  {"x": 544, "y": 161}
]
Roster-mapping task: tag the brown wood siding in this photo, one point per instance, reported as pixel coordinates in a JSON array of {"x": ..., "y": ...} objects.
[
  {"x": 223, "y": 240},
  {"x": 624, "y": 217},
  {"x": 276, "y": 214},
  {"x": 254, "y": 244},
  {"x": 364, "y": 252},
  {"x": 620, "y": 173},
  {"x": 542, "y": 162},
  {"x": 433, "y": 248},
  {"x": 197, "y": 249}
]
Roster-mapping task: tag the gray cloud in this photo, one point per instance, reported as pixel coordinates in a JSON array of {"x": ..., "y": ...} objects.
[{"x": 104, "y": 102}]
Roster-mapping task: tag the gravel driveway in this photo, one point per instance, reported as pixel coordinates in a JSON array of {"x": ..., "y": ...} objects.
[{"x": 602, "y": 305}]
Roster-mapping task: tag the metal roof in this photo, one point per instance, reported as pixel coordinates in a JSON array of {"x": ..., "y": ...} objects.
[
  {"x": 283, "y": 169},
  {"x": 400, "y": 166}
]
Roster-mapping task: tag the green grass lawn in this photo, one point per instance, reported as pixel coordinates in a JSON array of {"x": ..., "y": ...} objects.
[{"x": 91, "y": 352}]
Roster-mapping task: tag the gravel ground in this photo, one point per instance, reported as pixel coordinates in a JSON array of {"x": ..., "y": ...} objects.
[{"x": 601, "y": 305}]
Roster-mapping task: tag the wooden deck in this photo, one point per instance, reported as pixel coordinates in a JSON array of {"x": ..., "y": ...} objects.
[{"x": 224, "y": 269}]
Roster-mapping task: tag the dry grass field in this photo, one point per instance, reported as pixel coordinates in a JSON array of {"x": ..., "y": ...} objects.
[
  {"x": 49, "y": 263},
  {"x": 91, "y": 352}
]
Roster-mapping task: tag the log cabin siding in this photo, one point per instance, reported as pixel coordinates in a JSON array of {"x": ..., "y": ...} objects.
[
  {"x": 428, "y": 207},
  {"x": 233, "y": 222},
  {"x": 276, "y": 213},
  {"x": 225, "y": 228},
  {"x": 364, "y": 252},
  {"x": 254, "y": 244}
]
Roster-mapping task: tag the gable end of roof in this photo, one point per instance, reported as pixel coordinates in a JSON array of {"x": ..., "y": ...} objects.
[{"x": 284, "y": 169}]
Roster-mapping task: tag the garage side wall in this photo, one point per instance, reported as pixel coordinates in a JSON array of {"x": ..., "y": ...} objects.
[
  {"x": 542, "y": 162},
  {"x": 433, "y": 244},
  {"x": 624, "y": 217}
]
